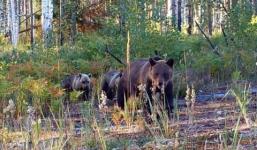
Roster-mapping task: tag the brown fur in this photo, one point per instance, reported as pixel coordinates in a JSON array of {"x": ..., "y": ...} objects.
[{"x": 154, "y": 74}]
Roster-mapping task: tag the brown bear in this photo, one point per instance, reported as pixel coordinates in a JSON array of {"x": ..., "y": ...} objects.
[
  {"x": 109, "y": 86},
  {"x": 155, "y": 74},
  {"x": 79, "y": 82}
]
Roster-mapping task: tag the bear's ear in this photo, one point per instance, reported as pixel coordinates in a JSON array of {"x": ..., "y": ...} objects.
[
  {"x": 120, "y": 73},
  {"x": 89, "y": 75},
  {"x": 152, "y": 61},
  {"x": 80, "y": 75},
  {"x": 170, "y": 62}
]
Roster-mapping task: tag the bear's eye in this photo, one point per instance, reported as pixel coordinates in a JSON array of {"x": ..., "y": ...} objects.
[
  {"x": 156, "y": 74},
  {"x": 166, "y": 75},
  {"x": 84, "y": 82}
]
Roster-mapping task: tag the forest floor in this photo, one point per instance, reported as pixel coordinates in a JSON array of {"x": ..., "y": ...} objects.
[{"x": 212, "y": 124}]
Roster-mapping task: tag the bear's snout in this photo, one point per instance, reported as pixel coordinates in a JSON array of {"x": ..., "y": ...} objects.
[{"x": 160, "y": 84}]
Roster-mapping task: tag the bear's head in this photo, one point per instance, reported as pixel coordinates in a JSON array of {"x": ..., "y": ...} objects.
[
  {"x": 115, "y": 80},
  {"x": 160, "y": 72},
  {"x": 82, "y": 82}
]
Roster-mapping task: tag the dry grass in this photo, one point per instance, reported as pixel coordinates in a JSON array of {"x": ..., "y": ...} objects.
[{"x": 212, "y": 120}]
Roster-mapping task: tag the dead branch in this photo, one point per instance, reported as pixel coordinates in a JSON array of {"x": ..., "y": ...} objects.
[
  {"x": 116, "y": 58},
  {"x": 26, "y": 30},
  {"x": 208, "y": 40}
]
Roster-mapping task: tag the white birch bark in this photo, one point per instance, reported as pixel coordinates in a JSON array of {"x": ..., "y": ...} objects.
[
  {"x": 169, "y": 8},
  {"x": 47, "y": 18},
  {"x": 1, "y": 16},
  {"x": 13, "y": 22}
]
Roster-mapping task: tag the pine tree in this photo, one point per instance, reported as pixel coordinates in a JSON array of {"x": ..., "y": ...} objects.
[
  {"x": 179, "y": 15},
  {"x": 210, "y": 15},
  {"x": 174, "y": 15}
]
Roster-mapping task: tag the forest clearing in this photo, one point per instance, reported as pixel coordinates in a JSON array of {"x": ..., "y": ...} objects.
[{"x": 128, "y": 74}]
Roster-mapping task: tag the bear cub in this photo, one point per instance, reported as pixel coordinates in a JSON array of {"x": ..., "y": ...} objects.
[
  {"x": 109, "y": 87},
  {"x": 79, "y": 82}
]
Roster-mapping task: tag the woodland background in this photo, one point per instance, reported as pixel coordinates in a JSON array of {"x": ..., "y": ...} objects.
[{"x": 213, "y": 43}]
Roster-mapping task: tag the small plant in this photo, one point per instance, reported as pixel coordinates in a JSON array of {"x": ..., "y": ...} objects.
[
  {"x": 190, "y": 101},
  {"x": 242, "y": 99},
  {"x": 99, "y": 135},
  {"x": 241, "y": 92}
]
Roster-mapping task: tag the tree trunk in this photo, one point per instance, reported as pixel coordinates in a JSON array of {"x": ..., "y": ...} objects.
[
  {"x": 13, "y": 22},
  {"x": 197, "y": 14},
  {"x": 169, "y": 8},
  {"x": 190, "y": 17},
  {"x": 60, "y": 23},
  {"x": 31, "y": 24},
  {"x": 122, "y": 19},
  {"x": 255, "y": 6},
  {"x": 19, "y": 12},
  {"x": 26, "y": 13},
  {"x": 179, "y": 14},
  {"x": 174, "y": 16},
  {"x": 142, "y": 16},
  {"x": 234, "y": 3},
  {"x": 74, "y": 20},
  {"x": 228, "y": 4},
  {"x": 46, "y": 18},
  {"x": 202, "y": 12},
  {"x": 210, "y": 15},
  {"x": 2, "y": 17}
]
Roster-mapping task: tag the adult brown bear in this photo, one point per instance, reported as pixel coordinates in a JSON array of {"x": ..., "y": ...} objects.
[{"x": 156, "y": 75}]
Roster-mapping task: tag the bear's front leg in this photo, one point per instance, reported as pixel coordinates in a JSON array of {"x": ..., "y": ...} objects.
[
  {"x": 169, "y": 98},
  {"x": 122, "y": 90},
  {"x": 149, "y": 98}
]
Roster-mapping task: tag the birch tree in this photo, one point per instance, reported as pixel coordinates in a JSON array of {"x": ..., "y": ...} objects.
[
  {"x": 13, "y": 22},
  {"x": 169, "y": 8},
  {"x": 46, "y": 18},
  {"x": 2, "y": 17}
]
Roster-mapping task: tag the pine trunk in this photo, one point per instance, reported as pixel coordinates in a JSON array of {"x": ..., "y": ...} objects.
[
  {"x": 210, "y": 17},
  {"x": 19, "y": 12},
  {"x": 179, "y": 15},
  {"x": 190, "y": 17},
  {"x": 122, "y": 18},
  {"x": 26, "y": 5},
  {"x": 31, "y": 24},
  {"x": 255, "y": 6},
  {"x": 234, "y": 3},
  {"x": 61, "y": 38},
  {"x": 197, "y": 14},
  {"x": 74, "y": 20},
  {"x": 174, "y": 16}
]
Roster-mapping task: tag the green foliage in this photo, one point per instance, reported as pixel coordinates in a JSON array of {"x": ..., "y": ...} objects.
[{"x": 36, "y": 74}]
